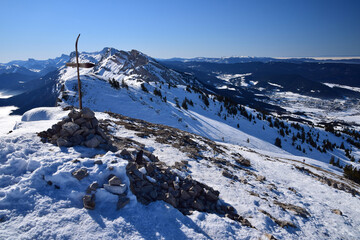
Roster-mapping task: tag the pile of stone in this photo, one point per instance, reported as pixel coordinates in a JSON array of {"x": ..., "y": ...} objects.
[
  {"x": 151, "y": 181},
  {"x": 79, "y": 128},
  {"x": 114, "y": 186}
]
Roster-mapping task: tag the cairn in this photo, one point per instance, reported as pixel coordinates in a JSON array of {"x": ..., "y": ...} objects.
[{"x": 79, "y": 128}]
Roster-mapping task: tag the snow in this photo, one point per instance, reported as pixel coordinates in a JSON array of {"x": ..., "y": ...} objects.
[
  {"x": 32, "y": 208},
  {"x": 356, "y": 89},
  {"x": 275, "y": 85},
  {"x": 44, "y": 113},
  {"x": 7, "y": 122}
]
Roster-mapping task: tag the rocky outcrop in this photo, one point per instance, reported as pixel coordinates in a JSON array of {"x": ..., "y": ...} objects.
[
  {"x": 80, "y": 173},
  {"x": 79, "y": 128},
  {"x": 151, "y": 181}
]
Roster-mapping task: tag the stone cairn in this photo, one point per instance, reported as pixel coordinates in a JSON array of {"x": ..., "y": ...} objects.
[
  {"x": 152, "y": 180},
  {"x": 79, "y": 128}
]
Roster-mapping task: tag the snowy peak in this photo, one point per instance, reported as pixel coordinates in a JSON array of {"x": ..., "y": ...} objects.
[{"x": 129, "y": 65}]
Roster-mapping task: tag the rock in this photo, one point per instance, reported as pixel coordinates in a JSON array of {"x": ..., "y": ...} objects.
[
  {"x": 243, "y": 180},
  {"x": 130, "y": 167},
  {"x": 164, "y": 185},
  {"x": 85, "y": 131},
  {"x": 61, "y": 142},
  {"x": 73, "y": 114},
  {"x": 138, "y": 174},
  {"x": 227, "y": 174},
  {"x": 115, "y": 189},
  {"x": 87, "y": 113},
  {"x": 56, "y": 127},
  {"x": 147, "y": 188},
  {"x": 89, "y": 202},
  {"x": 76, "y": 140},
  {"x": 292, "y": 189},
  {"x": 195, "y": 190},
  {"x": 176, "y": 186},
  {"x": 125, "y": 153},
  {"x": 337, "y": 211},
  {"x": 184, "y": 195},
  {"x": 243, "y": 161},
  {"x": 142, "y": 170},
  {"x": 260, "y": 178},
  {"x": 210, "y": 195},
  {"x": 101, "y": 133},
  {"x": 63, "y": 133},
  {"x": 80, "y": 173},
  {"x": 139, "y": 157},
  {"x": 98, "y": 162},
  {"x": 93, "y": 187},
  {"x": 70, "y": 127},
  {"x": 169, "y": 198},
  {"x": 198, "y": 205},
  {"x": 93, "y": 142},
  {"x": 79, "y": 132},
  {"x": 153, "y": 194},
  {"x": 149, "y": 168},
  {"x": 122, "y": 202},
  {"x": 80, "y": 121},
  {"x": 296, "y": 209},
  {"x": 54, "y": 139},
  {"x": 115, "y": 181},
  {"x": 94, "y": 122}
]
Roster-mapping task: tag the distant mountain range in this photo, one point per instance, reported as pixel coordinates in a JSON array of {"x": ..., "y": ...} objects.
[{"x": 247, "y": 59}]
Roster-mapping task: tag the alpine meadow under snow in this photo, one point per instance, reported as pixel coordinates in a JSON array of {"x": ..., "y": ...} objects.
[{"x": 272, "y": 176}]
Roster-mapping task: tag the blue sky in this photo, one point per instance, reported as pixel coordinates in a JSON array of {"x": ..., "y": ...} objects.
[{"x": 169, "y": 28}]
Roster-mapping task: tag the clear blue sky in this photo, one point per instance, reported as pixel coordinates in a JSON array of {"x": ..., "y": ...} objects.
[{"x": 170, "y": 28}]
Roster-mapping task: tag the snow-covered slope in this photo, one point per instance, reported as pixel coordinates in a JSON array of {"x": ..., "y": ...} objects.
[
  {"x": 300, "y": 189},
  {"x": 278, "y": 194},
  {"x": 150, "y": 91}
]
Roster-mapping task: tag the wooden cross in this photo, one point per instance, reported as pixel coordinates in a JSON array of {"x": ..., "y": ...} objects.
[{"x": 79, "y": 65}]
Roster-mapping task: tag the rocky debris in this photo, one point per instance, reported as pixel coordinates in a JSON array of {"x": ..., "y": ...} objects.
[
  {"x": 92, "y": 188},
  {"x": 80, "y": 173},
  {"x": 296, "y": 209},
  {"x": 292, "y": 189},
  {"x": 260, "y": 178},
  {"x": 79, "y": 128},
  {"x": 115, "y": 185},
  {"x": 243, "y": 161},
  {"x": 115, "y": 189},
  {"x": 181, "y": 140},
  {"x": 87, "y": 113},
  {"x": 115, "y": 181},
  {"x": 89, "y": 201},
  {"x": 281, "y": 223},
  {"x": 227, "y": 174},
  {"x": 330, "y": 182},
  {"x": 152, "y": 181},
  {"x": 337, "y": 211}
]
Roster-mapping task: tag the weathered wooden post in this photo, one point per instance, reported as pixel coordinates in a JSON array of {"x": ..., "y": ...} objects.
[{"x": 79, "y": 65}]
